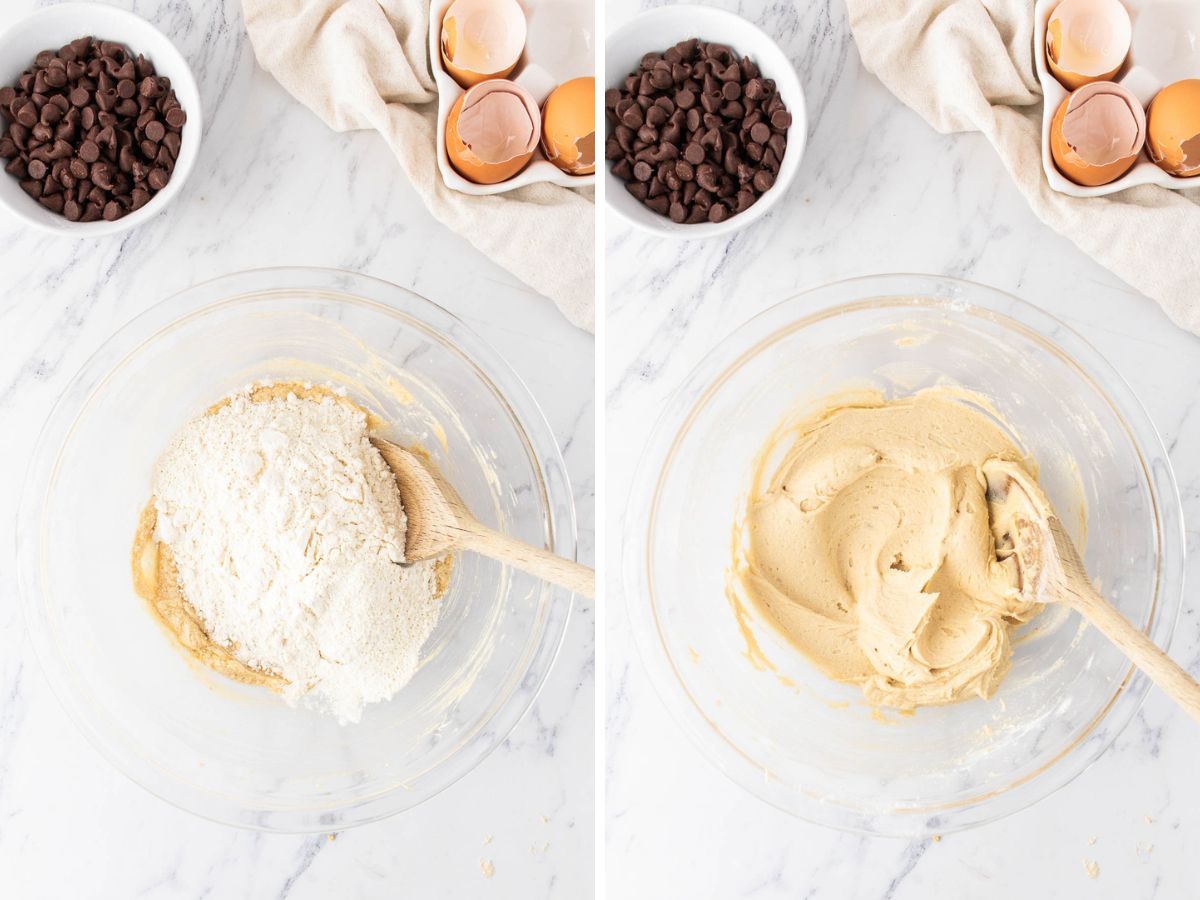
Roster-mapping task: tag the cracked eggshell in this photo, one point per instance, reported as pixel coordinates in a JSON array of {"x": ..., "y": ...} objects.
[
  {"x": 1097, "y": 133},
  {"x": 1087, "y": 41},
  {"x": 482, "y": 39},
  {"x": 1173, "y": 129},
  {"x": 492, "y": 131},
  {"x": 569, "y": 126}
]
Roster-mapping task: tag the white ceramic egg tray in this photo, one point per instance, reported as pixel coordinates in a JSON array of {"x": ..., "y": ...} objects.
[
  {"x": 559, "y": 47},
  {"x": 1142, "y": 75}
]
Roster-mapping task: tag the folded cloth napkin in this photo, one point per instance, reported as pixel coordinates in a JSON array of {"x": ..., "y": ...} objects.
[
  {"x": 967, "y": 65},
  {"x": 364, "y": 64}
]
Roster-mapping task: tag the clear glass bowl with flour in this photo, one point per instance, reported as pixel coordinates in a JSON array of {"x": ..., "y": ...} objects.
[
  {"x": 813, "y": 746},
  {"x": 238, "y": 753}
]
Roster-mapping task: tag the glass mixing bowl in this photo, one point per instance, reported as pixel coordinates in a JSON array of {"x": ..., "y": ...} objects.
[
  {"x": 238, "y": 754},
  {"x": 814, "y": 747}
]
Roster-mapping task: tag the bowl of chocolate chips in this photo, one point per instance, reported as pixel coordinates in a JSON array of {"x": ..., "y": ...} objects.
[
  {"x": 705, "y": 122},
  {"x": 99, "y": 119}
]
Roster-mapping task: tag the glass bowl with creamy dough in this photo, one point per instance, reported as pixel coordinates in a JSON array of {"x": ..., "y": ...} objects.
[
  {"x": 763, "y": 713},
  {"x": 238, "y": 753}
]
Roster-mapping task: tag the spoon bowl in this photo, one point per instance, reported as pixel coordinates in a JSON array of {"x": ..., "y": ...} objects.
[{"x": 439, "y": 522}]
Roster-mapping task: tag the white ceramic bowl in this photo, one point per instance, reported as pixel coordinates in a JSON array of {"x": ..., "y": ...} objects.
[
  {"x": 50, "y": 28},
  {"x": 655, "y": 31},
  {"x": 565, "y": 24}
]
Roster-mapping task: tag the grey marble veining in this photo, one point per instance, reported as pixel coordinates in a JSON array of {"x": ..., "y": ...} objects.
[
  {"x": 879, "y": 191},
  {"x": 273, "y": 186}
]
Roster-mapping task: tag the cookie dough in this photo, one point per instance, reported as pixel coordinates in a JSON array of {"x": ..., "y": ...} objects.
[{"x": 868, "y": 543}]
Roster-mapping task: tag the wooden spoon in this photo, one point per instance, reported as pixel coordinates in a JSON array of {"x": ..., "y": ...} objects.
[
  {"x": 439, "y": 521},
  {"x": 1052, "y": 571}
]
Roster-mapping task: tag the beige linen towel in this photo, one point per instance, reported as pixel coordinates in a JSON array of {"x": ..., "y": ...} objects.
[
  {"x": 364, "y": 64},
  {"x": 967, "y": 65}
]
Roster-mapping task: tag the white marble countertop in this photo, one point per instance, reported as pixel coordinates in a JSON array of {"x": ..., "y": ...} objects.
[
  {"x": 273, "y": 186},
  {"x": 879, "y": 191}
]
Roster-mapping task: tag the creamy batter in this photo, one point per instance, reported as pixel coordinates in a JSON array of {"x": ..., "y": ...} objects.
[{"x": 869, "y": 543}]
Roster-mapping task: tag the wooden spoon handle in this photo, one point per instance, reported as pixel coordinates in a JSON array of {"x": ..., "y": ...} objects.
[
  {"x": 1174, "y": 681},
  {"x": 528, "y": 558}
]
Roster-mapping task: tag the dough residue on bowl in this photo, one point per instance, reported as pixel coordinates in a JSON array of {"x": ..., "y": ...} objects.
[
  {"x": 867, "y": 541},
  {"x": 273, "y": 550}
]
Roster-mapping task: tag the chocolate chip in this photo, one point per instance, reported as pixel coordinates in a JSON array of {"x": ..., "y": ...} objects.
[
  {"x": 660, "y": 205},
  {"x": 706, "y": 177},
  {"x": 101, "y": 176}
]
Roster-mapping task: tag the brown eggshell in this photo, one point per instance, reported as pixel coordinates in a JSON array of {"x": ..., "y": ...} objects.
[
  {"x": 467, "y": 161},
  {"x": 1173, "y": 128},
  {"x": 504, "y": 30},
  {"x": 569, "y": 126},
  {"x": 1067, "y": 158},
  {"x": 1080, "y": 16}
]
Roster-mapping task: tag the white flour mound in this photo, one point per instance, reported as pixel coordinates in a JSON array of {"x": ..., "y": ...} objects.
[{"x": 287, "y": 530}]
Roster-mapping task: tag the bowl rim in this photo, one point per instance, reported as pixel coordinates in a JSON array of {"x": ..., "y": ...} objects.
[
  {"x": 187, "y": 155},
  {"x": 558, "y": 510},
  {"x": 910, "y": 290},
  {"x": 640, "y": 29}
]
